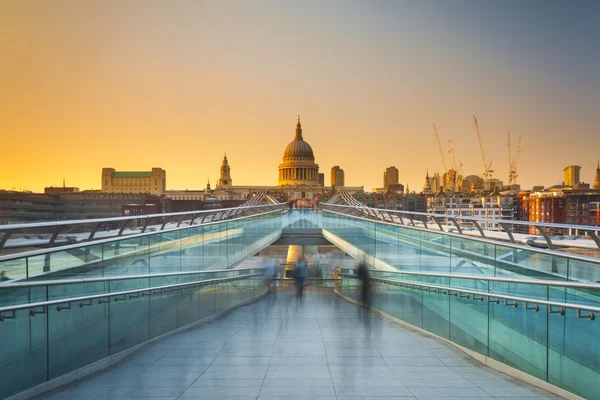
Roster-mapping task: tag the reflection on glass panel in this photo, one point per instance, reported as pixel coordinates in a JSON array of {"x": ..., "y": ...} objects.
[
  {"x": 77, "y": 337},
  {"x": 470, "y": 257},
  {"x": 165, "y": 252},
  {"x": 23, "y": 355},
  {"x": 15, "y": 269},
  {"x": 129, "y": 323},
  {"x": 126, "y": 257},
  {"x": 529, "y": 264}
]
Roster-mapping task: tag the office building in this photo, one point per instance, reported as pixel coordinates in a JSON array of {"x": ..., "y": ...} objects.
[
  {"x": 572, "y": 175},
  {"x": 337, "y": 177},
  {"x": 390, "y": 177}
]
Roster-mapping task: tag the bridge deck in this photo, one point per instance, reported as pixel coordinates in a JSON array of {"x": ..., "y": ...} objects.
[{"x": 319, "y": 348}]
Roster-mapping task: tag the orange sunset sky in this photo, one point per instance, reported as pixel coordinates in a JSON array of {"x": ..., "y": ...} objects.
[{"x": 141, "y": 84}]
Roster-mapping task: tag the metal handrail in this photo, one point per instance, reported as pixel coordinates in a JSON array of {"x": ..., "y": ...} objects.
[
  {"x": 476, "y": 295},
  {"x": 60, "y": 226},
  {"x": 504, "y": 224},
  {"x": 484, "y": 240},
  {"x": 133, "y": 217},
  {"x": 107, "y": 296},
  {"x": 56, "y": 282},
  {"x": 507, "y": 221},
  {"x": 574, "y": 285},
  {"x": 118, "y": 238}
]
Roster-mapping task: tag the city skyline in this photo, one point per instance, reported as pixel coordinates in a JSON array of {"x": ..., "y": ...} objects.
[{"x": 135, "y": 90}]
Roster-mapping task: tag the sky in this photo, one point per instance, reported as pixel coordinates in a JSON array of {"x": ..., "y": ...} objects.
[{"x": 139, "y": 84}]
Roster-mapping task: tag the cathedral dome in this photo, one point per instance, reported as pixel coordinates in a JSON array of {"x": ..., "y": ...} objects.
[
  {"x": 298, "y": 148},
  {"x": 298, "y": 166}
]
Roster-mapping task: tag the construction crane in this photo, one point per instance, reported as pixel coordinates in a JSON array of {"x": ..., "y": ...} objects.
[
  {"x": 455, "y": 167},
  {"x": 437, "y": 138},
  {"x": 513, "y": 163},
  {"x": 487, "y": 168},
  {"x": 451, "y": 151}
]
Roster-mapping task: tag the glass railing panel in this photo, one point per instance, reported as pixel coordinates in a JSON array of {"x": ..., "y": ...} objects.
[
  {"x": 129, "y": 323},
  {"x": 520, "y": 289},
  {"x": 65, "y": 264},
  {"x": 471, "y": 257},
  {"x": 387, "y": 246},
  {"x": 436, "y": 308},
  {"x": 11, "y": 296},
  {"x": 395, "y": 300},
  {"x": 573, "y": 354},
  {"x": 434, "y": 249},
  {"x": 191, "y": 249},
  {"x": 518, "y": 337},
  {"x": 163, "y": 313},
  {"x": 206, "y": 300},
  {"x": 412, "y": 306},
  {"x": 165, "y": 252},
  {"x": 126, "y": 257},
  {"x": 237, "y": 237},
  {"x": 77, "y": 336},
  {"x": 56, "y": 292},
  {"x": 480, "y": 285},
  {"x": 122, "y": 285},
  {"x": 518, "y": 262},
  {"x": 409, "y": 254},
  {"x": 187, "y": 306},
  {"x": 214, "y": 248},
  {"x": 380, "y": 296},
  {"x": 469, "y": 323},
  {"x": 15, "y": 269},
  {"x": 350, "y": 287},
  {"x": 23, "y": 354},
  {"x": 584, "y": 271},
  {"x": 221, "y": 297}
]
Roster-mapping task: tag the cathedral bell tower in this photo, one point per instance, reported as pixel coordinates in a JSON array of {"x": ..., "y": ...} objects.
[
  {"x": 597, "y": 179},
  {"x": 225, "y": 177}
]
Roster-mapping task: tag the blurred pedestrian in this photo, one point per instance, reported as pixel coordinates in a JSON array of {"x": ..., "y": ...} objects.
[
  {"x": 3, "y": 277},
  {"x": 300, "y": 273},
  {"x": 365, "y": 285},
  {"x": 365, "y": 296},
  {"x": 269, "y": 272}
]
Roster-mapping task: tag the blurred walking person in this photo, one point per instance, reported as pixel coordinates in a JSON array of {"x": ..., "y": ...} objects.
[
  {"x": 300, "y": 273},
  {"x": 365, "y": 295},
  {"x": 269, "y": 273}
]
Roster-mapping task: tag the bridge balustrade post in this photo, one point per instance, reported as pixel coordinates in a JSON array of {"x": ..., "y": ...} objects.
[
  {"x": 457, "y": 225},
  {"x": 592, "y": 234},
  {"x": 92, "y": 233},
  {"x": 479, "y": 229},
  {"x": 5, "y": 238},
  {"x": 123, "y": 226},
  {"x": 508, "y": 229}
]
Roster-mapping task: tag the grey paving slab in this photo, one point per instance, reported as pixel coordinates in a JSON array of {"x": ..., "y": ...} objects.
[
  {"x": 375, "y": 398},
  {"x": 143, "y": 392},
  {"x": 307, "y": 392},
  {"x": 428, "y": 382},
  {"x": 459, "y": 392},
  {"x": 233, "y": 382},
  {"x": 75, "y": 392},
  {"x": 219, "y": 391},
  {"x": 516, "y": 392},
  {"x": 227, "y": 360},
  {"x": 347, "y": 361},
  {"x": 282, "y": 348},
  {"x": 370, "y": 391},
  {"x": 151, "y": 382}
]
